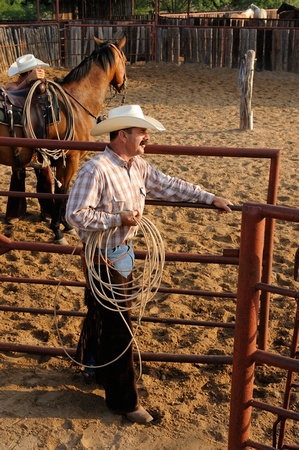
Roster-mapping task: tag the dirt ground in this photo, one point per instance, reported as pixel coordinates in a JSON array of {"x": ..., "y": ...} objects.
[{"x": 45, "y": 402}]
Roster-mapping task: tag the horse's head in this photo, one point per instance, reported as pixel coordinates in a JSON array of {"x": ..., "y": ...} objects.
[
  {"x": 119, "y": 79},
  {"x": 284, "y": 7}
]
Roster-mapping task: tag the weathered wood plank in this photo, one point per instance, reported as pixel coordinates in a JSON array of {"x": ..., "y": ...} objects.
[
  {"x": 296, "y": 52},
  {"x": 260, "y": 37},
  {"x": 193, "y": 44},
  {"x": 201, "y": 39},
  {"x": 208, "y": 59},
  {"x": 228, "y": 48},
  {"x": 176, "y": 45},
  {"x": 235, "y": 50},
  {"x": 244, "y": 39},
  {"x": 214, "y": 47},
  {"x": 219, "y": 48},
  {"x": 268, "y": 53},
  {"x": 291, "y": 51}
]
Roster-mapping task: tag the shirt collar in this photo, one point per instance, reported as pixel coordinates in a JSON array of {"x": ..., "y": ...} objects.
[{"x": 117, "y": 159}]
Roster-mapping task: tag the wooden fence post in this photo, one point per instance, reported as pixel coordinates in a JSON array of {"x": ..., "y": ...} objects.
[{"x": 245, "y": 82}]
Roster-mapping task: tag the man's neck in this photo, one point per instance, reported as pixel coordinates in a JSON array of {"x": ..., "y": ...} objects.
[{"x": 119, "y": 152}]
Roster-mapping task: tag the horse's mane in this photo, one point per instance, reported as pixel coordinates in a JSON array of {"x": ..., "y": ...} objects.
[
  {"x": 285, "y": 7},
  {"x": 103, "y": 56}
]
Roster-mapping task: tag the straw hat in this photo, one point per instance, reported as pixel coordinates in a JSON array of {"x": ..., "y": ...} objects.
[
  {"x": 25, "y": 63},
  {"x": 123, "y": 117}
]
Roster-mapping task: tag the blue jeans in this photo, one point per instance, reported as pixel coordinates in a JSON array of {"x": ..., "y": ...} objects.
[{"x": 122, "y": 257}]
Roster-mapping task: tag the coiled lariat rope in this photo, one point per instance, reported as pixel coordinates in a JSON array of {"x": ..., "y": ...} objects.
[
  {"x": 146, "y": 281},
  {"x": 70, "y": 129}
]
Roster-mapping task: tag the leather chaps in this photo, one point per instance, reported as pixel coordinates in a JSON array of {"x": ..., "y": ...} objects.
[{"x": 105, "y": 336}]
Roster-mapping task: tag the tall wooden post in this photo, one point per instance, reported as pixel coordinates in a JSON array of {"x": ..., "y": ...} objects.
[{"x": 246, "y": 82}]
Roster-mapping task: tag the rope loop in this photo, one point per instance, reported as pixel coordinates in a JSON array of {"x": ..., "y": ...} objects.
[
  {"x": 46, "y": 153},
  {"x": 146, "y": 281}
]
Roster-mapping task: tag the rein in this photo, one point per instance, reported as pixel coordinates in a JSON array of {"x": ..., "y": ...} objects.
[
  {"x": 97, "y": 118},
  {"x": 80, "y": 104}
]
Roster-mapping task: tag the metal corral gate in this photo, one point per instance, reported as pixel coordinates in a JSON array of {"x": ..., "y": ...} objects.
[
  {"x": 257, "y": 226},
  {"x": 246, "y": 354}
]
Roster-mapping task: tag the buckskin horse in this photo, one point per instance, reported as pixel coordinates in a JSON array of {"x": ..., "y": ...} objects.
[
  {"x": 248, "y": 14},
  {"x": 85, "y": 87}
]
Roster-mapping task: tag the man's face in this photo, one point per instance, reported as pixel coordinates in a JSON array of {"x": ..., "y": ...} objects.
[{"x": 135, "y": 141}]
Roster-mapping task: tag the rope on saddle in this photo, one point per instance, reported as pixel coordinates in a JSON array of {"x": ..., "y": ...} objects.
[
  {"x": 146, "y": 281},
  {"x": 28, "y": 127}
]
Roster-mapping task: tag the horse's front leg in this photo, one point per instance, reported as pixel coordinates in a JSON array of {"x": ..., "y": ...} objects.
[
  {"x": 67, "y": 227},
  {"x": 56, "y": 220},
  {"x": 64, "y": 174},
  {"x": 44, "y": 184},
  {"x": 16, "y": 206}
]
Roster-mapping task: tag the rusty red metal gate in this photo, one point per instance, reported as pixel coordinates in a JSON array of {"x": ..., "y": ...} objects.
[
  {"x": 246, "y": 355},
  {"x": 241, "y": 397}
]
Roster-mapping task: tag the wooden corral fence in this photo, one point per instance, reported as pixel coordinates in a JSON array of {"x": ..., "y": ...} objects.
[
  {"x": 206, "y": 41},
  {"x": 224, "y": 42},
  {"x": 41, "y": 40}
]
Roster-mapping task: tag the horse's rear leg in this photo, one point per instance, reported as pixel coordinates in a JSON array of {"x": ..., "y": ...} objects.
[
  {"x": 44, "y": 185},
  {"x": 16, "y": 206}
]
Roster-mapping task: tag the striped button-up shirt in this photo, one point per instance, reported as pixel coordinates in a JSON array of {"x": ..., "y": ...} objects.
[{"x": 107, "y": 184}]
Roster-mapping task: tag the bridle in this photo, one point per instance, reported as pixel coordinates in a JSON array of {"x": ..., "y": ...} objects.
[{"x": 123, "y": 88}]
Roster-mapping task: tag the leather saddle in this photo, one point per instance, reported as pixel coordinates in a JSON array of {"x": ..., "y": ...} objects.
[
  {"x": 12, "y": 108},
  {"x": 43, "y": 101}
]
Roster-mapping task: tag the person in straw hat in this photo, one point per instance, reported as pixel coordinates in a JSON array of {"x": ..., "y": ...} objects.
[
  {"x": 108, "y": 194},
  {"x": 29, "y": 69}
]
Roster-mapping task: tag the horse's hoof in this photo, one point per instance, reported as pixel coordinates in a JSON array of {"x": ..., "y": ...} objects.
[
  {"x": 12, "y": 221},
  {"x": 72, "y": 232},
  {"x": 139, "y": 416},
  {"x": 61, "y": 241},
  {"x": 44, "y": 217}
]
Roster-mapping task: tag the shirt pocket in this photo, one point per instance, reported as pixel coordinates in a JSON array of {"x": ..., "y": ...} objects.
[{"x": 119, "y": 203}]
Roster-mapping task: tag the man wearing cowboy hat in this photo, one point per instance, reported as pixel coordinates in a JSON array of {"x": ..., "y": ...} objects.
[
  {"x": 29, "y": 69},
  {"x": 107, "y": 195}
]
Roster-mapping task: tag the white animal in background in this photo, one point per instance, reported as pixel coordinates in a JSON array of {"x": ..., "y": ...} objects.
[
  {"x": 248, "y": 14},
  {"x": 258, "y": 13}
]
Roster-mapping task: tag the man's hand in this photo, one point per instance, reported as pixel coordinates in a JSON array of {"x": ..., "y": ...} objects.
[
  {"x": 36, "y": 74},
  {"x": 128, "y": 217},
  {"x": 222, "y": 205}
]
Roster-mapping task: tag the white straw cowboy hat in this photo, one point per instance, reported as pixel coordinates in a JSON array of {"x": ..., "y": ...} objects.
[
  {"x": 25, "y": 63},
  {"x": 123, "y": 117}
]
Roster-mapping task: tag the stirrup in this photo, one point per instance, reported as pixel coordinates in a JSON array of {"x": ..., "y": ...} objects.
[{"x": 35, "y": 162}]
